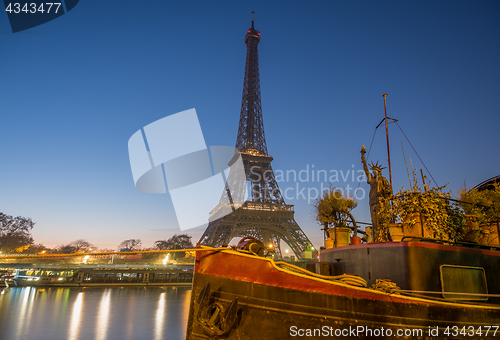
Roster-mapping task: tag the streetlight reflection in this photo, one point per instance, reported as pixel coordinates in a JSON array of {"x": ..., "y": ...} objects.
[
  {"x": 74, "y": 326},
  {"x": 103, "y": 316},
  {"x": 160, "y": 319},
  {"x": 26, "y": 311}
]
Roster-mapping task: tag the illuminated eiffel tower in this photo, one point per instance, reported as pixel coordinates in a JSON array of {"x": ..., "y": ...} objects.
[{"x": 265, "y": 216}]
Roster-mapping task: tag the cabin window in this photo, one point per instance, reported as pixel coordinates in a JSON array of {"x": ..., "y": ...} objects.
[{"x": 463, "y": 280}]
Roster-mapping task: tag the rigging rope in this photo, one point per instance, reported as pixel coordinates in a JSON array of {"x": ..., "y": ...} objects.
[
  {"x": 369, "y": 150},
  {"x": 417, "y": 154},
  {"x": 390, "y": 287},
  {"x": 352, "y": 280},
  {"x": 385, "y": 285},
  {"x": 447, "y": 293},
  {"x": 371, "y": 144}
]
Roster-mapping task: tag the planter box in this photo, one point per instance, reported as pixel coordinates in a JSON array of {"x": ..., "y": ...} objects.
[
  {"x": 329, "y": 243},
  {"x": 340, "y": 236},
  {"x": 397, "y": 231},
  {"x": 416, "y": 229},
  {"x": 355, "y": 240},
  {"x": 489, "y": 234},
  {"x": 484, "y": 236},
  {"x": 472, "y": 229},
  {"x": 494, "y": 240}
]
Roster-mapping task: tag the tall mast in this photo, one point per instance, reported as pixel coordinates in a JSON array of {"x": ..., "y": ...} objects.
[{"x": 387, "y": 136}]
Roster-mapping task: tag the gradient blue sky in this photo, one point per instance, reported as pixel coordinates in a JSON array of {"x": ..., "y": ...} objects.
[{"x": 75, "y": 89}]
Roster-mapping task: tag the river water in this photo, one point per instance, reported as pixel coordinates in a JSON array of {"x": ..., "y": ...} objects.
[{"x": 94, "y": 313}]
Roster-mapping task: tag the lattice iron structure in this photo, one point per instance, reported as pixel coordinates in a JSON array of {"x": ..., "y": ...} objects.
[{"x": 265, "y": 216}]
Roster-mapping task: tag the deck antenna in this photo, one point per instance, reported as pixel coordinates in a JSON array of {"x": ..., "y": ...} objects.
[
  {"x": 412, "y": 171},
  {"x": 423, "y": 180},
  {"x": 406, "y": 165},
  {"x": 420, "y": 214},
  {"x": 387, "y": 136}
]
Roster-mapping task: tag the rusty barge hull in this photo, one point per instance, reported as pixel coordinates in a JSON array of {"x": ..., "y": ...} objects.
[{"x": 273, "y": 303}]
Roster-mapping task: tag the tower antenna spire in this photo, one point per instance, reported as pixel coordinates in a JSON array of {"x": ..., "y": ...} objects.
[{"x": 252, "y": 20}]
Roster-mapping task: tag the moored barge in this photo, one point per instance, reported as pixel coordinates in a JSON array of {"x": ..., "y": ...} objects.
[{"x": 237, "y": 295}]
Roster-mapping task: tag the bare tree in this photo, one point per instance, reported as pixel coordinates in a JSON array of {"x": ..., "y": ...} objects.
[
  {"x": 15, "y": 232},
  {"x": 175, "y": 242},
  {"x": 38, "y": 249},
  {"x": 81, "y": 245},
  {"x": 182, "y": 241},
  {"x": 74, "y": 247},
  {"x": 66, "y": 249},
  {"x": 130, "y": 244}
]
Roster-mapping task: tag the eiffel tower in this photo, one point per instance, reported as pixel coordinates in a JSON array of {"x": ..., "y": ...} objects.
[{"x": 265, "y": 216}]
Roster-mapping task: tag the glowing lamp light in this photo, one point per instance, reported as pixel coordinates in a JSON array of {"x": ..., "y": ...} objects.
[
  {"x": 286, "y": 251},
  {"x": 271, "y": 245},
  {"x": 165, "y": 260},
  {"x": 85, "y": 259}
]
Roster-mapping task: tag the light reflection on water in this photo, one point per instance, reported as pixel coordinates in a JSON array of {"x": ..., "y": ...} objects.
[
  {"x": 94, "y": 313},
  {"x": 102, "y": 321},
  {"x": 159, "y": 320},
  {"x": 24, "y": 320},
  {"x": 74, "y": 326}
]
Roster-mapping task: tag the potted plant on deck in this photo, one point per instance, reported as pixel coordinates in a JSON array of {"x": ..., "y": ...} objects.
[
  {"x": 483, "y": 213},
  {"x": 428, "y": 213},
  {"x": 333, "y": 208}
]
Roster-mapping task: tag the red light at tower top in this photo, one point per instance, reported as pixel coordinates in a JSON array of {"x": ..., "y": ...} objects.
[{"x": 253, "y": 30}]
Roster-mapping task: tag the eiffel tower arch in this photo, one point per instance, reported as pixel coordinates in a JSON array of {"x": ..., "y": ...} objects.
[{"x": 265, "y": 215}]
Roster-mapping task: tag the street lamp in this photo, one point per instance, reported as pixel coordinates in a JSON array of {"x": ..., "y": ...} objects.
[{"x": 165, "y": 260}]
